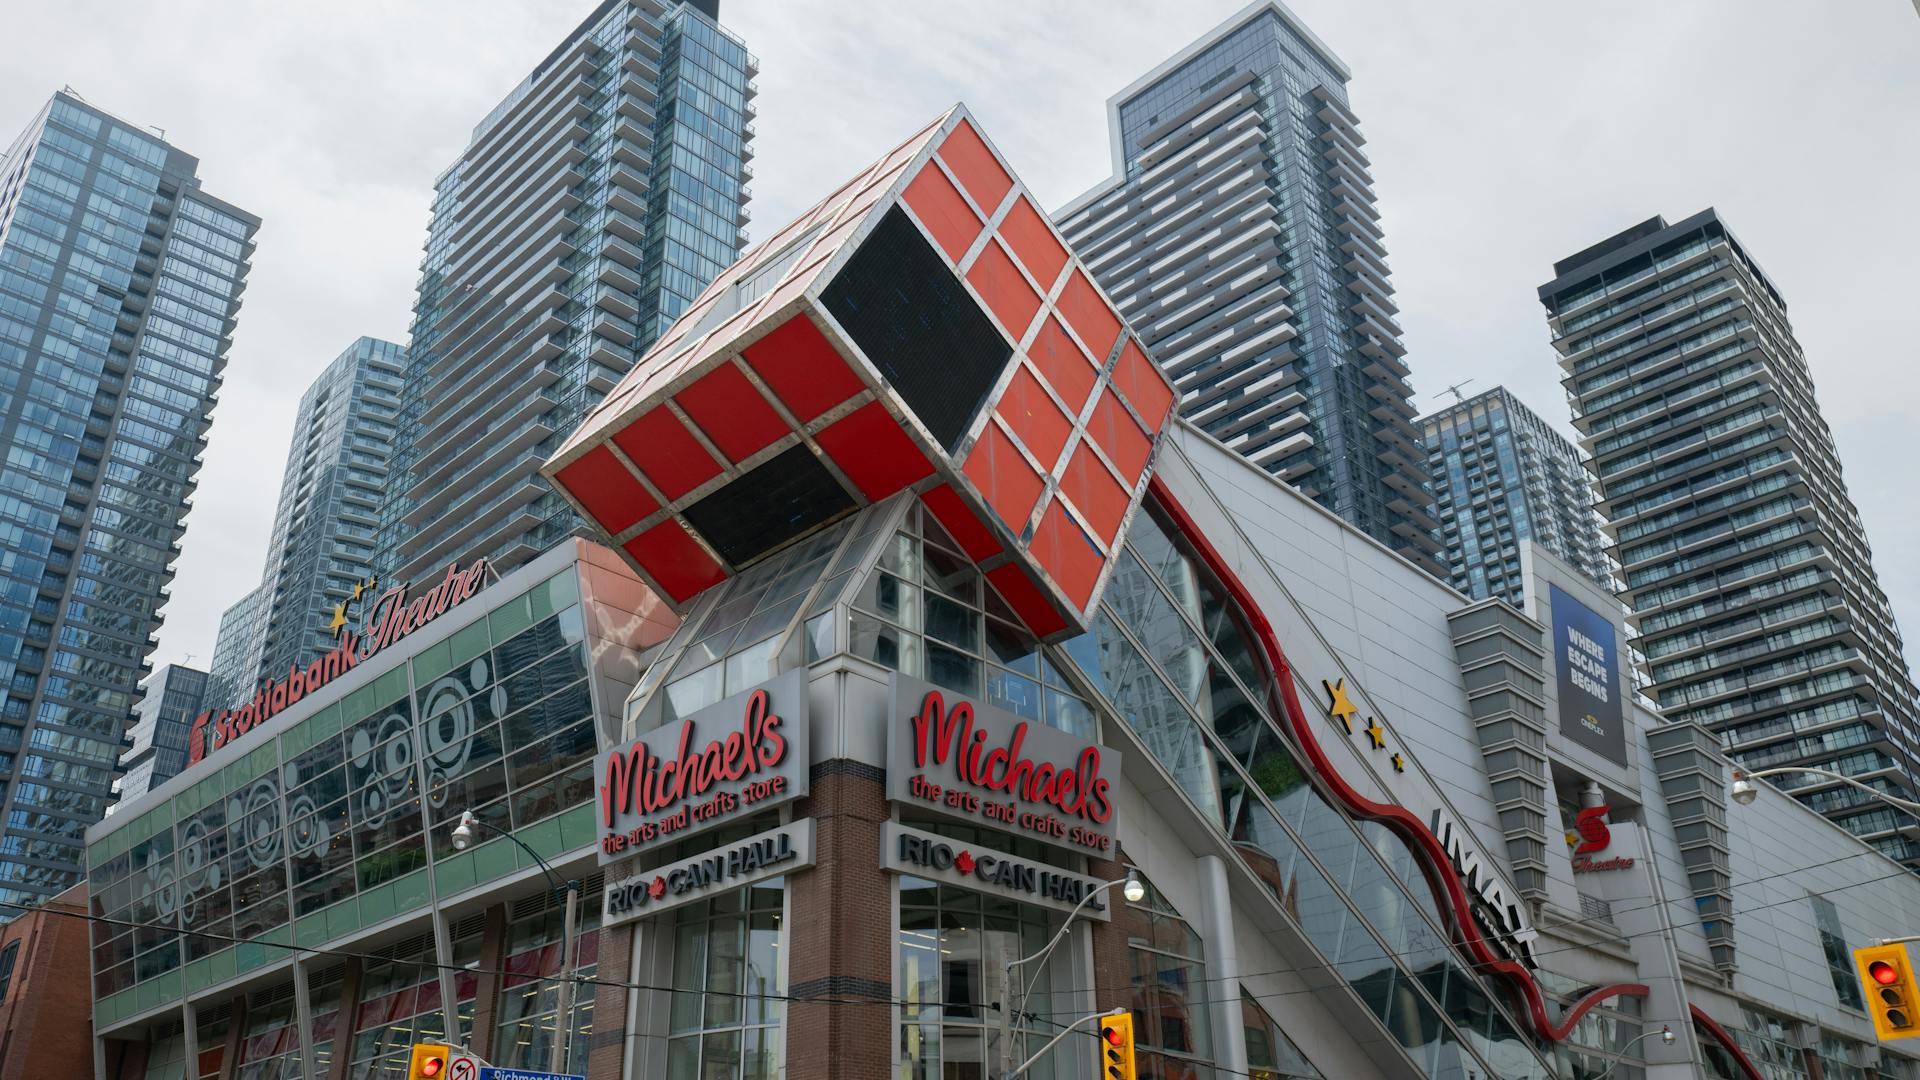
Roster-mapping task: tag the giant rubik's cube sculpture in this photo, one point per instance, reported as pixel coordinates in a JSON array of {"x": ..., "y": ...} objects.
[{"x": 923, "y": 327}]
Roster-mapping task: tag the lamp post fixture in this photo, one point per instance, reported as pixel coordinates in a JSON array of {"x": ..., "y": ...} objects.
[
  {"x": 1666, "y": 1037},
  {"x": 1744, "y": 790},
  {"x": 463, "y": 835},
  {"x": 1133, "y": 889}
]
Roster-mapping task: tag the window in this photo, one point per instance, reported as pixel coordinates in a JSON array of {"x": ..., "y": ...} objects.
[
  {"x": 728, "y": 982},
  {"x": 1270, "y": 1054},
  {"x": 1169, "y": 979},
  {"x": 1833, "y": 941},
  {"x": 7, "y": 959}
]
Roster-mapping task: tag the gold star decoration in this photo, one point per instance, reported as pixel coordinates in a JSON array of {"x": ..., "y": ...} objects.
[
  {"x": 360, "y": 587},
  {"x": 1339, "y": 707},
  {"x": 1399, "y": 763},
  {"x": 1377, "y": 733},
  {"x": 339, "y": 620}
]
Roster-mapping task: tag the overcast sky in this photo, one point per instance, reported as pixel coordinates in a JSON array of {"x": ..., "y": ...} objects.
[{"x": 1504, "y": 135}]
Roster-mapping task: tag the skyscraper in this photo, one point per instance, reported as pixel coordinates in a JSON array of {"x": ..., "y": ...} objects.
[
  {"x": 324, "y": 529},
  {"x": 170, "y": 699},
  {"x": 119, "y": 283},
  {"x": 1238, "y": 235},
  {"x": 1501, "y": 475},
  {"x": 1746, "y": 567},
  {"x": 590, "y": 206},
  {"x": 237, "y": 648}
]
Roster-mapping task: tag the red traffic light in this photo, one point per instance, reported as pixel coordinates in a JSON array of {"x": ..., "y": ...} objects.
[
  {"x": 1114, "y": 1038},
  {"x": 1883, "y": 973},
  {"x": 432, "y": 1066}
]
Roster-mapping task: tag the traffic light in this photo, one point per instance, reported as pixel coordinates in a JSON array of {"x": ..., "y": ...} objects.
[
  {"x": 429, "y": 1061},
  {"x": 1886, "y": 978},
  {"x": 1116, "y": 1047}
]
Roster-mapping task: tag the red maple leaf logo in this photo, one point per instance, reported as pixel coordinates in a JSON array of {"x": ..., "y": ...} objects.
[
  {"x": 964, "y": 862},
  {"x": 658, "y": 889}
]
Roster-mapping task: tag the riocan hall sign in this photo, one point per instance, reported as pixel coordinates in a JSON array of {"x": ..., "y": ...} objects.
[
  {"x": 906, "y": 850},
  {"x": 950, "y": 754},
  {"x": 757, "y": 858},
  {"x": 745, "y": 754},
  {"x": 391, "y": 618}
]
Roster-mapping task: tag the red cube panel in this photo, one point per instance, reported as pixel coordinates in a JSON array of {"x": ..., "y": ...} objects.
[
  {"x": 876, "y": 455},
  {"x": 1040, "y": 425},
  {"x": 1004, "y": 478},
  {"x": 1119, "y": 436},
  {"x": 731, "y": 412},
  {"x": 1094, "y": 492},
  {"x": 1142, "y": 384},
  {"x": 1067, "y": 554},
  {"x": 667, "y": 452},
  {"x": 1062, "y": 364},
  {"x": 957, "y": 518},
  {"x": 1090, "y": 317},
  {"x": 940, "y": 207},
  {"x": 1007, "y": 294},
  {"x": 802, "y": 368},
  {"x": 1026, "y": 600},
  {"x": 1033, "y": 242},
  {"x": 611, "y": 494},
  {"x": 676, "y": 562},
  {"x": 979, "y": 171}
]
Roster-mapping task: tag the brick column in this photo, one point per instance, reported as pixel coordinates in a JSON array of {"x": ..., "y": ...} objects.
[
  {"x": 607, "y": 1048},
  {"x": 1112, "y": 975},
  {"x": 346, "y": 1022},
  {"x": 841, "y": 932},
  {"x": 486, "y": 991}
]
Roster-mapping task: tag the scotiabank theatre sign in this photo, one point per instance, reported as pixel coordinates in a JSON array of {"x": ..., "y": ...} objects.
[
  {"x": 745, "y": 754},
  {"x": 954, "y": 756},
  {"x": 391, "y": 618}
]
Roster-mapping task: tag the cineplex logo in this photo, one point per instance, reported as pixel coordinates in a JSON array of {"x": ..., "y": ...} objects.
[{"x": 391, "y": 619}]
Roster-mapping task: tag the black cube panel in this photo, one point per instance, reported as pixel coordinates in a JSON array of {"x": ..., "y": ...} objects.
[
  {"x": 780, "y": 499},
  {"x": 916, "y": 322}
]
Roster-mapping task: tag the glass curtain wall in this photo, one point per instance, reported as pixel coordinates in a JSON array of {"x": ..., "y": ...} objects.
[
  {"x": 729, "y": 982},
  {"x": 1173, "y": 656}
]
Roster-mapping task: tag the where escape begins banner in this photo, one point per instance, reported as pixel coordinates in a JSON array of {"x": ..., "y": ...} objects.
[{"x": 1586, "y": 658}]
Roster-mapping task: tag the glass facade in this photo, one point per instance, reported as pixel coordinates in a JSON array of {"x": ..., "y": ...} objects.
[
  {"x": 169, "y": 700},
  {"x": 1501, "y": 475},
  {"x": 589, "y": 209},
  {"x": 1266, "y": 296},
  {"x": 1747, "y": 570},
  {"x": 119, "y": 283},
  {"x": 342, "y": 821}
]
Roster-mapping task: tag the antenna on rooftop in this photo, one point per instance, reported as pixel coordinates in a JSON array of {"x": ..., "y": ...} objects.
[{"x": 1455, "y": 390}]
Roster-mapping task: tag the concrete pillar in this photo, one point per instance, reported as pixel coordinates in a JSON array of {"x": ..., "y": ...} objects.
[
  {"x": 443, "y": 956},
  {"x": 190, "y": 1039},
  {"x": 236, "y": 1035},
  {"x": 303, "y": 1015},
  {"x": 486, "y": 995},
  {"x": 1223, "y": 966},
  {"x": 346, "y": 1023}
]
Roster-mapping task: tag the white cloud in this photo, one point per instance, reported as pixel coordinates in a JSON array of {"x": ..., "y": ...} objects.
[{"x": 1503, "y": 136}]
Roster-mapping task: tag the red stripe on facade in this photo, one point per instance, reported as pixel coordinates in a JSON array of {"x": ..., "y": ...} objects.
[{"x": 1433, "y": 857}]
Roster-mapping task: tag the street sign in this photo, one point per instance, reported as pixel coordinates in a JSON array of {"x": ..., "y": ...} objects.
[
  {"x": 491, "y": 1073},
  {"x": 463, "y": 1067}
]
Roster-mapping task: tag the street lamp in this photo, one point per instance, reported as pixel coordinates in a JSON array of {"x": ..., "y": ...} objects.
[
  {"x": 1134, "y": 889},
  {"x": 1666, "y": 1038},
  {"x": 463, "y": 834},
  {"x": 1744, "y": 790}
]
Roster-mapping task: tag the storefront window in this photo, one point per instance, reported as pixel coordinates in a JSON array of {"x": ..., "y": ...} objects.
[
  {"x": 399, "y": 1006},
  {"x": 1770, "y": 1043},
  {"x": 729, "y": 979},
  {"x": 1169, "y": 976},
  {"x": 1270, "y": 1054},
  {"x": 530, "y": 991},
  {"x": 954, "y": 947},
  {"x": 270, "y": 1046}
]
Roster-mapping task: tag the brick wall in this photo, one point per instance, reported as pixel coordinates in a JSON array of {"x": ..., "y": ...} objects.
[{"x": 46, "y": 1029}]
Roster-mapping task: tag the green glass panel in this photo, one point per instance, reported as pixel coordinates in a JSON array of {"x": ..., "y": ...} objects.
[
  {"x": 410, "y": 892},
  {"x": 563, "y": 588},
  {"x": 323, "y": 723},
  {"x": 343, "y": 918},
  {"x": 543, "y": 837},
  {"x": 577, "y": 827},
  {"x": 222, "y": 965},
  {"x": 454, "y": 873},
  {"x": 376, "y": 905},
  {"x": 467, "y": 643},
  {"x": 510, "y": 618},
  {"x": 392, "y": 686},
  {"x": 311, "y": 930},
  {"x": 493, "y": 859},
  {"x": 249, "y": 955},
  {"x": 432, "y": 662}
]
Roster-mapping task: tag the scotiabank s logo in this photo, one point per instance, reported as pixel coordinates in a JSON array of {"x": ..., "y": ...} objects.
[{"x": 1591, "y": 824}]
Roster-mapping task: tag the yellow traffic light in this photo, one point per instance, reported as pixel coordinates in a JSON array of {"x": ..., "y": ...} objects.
[
  {"x": 429, "y": 1061},
  {"x": 1116, "y": 1047},
  {"x": 1886, "y": 978}
]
